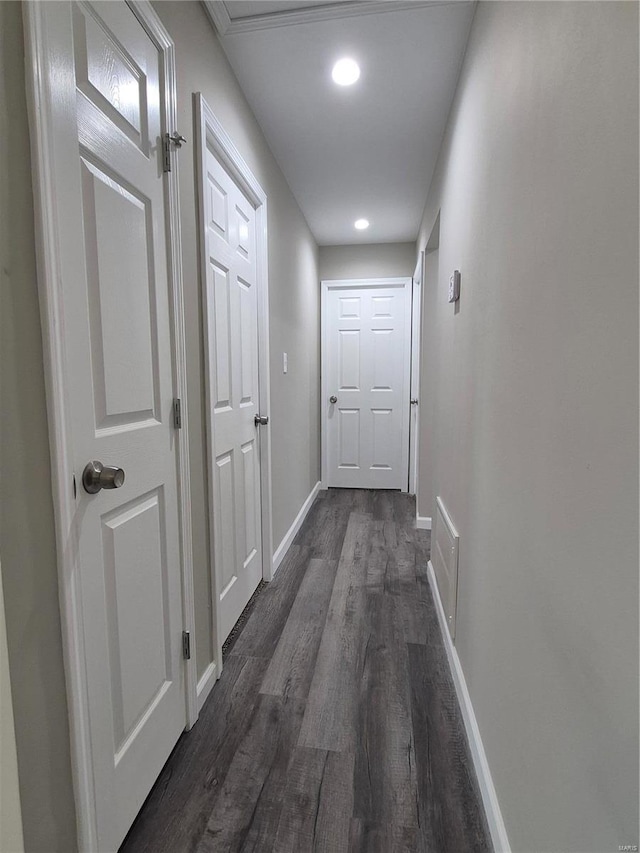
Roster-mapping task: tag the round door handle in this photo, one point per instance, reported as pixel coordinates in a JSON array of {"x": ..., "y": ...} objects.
[
  {"x": 97, "y": 476},
  {"x": 333, "y": 399},
  {"x": 261, "y": 420},
  {"x": 414, "y": 402}
]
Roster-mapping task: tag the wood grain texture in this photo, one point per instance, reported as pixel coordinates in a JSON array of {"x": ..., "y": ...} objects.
[
  {"x": 261, "y": 634},
  {"x": 317, "y": 810},
  {"x": 334, "y": 727},
  {"x": 451, "y": 817},
  {"x": 292, "y": 665},
  {"x": 247, "y": 812},
  {"x": 413, "y": 612},
  {"x": 330, "y": 717},
  {"x": 367, "y": 837},
  {"x": 385, "y": 782},
  {"x": 191, "y": 779},
  {"x": 325, "y": 526},
  {"x": 378, "y": 577}
]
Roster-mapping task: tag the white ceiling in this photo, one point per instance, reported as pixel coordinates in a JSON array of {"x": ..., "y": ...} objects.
[
  {"x": 249, "y": 8},
  {"x": 362, "y": 151}
]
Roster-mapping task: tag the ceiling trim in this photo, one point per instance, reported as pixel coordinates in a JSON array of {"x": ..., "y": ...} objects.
[
  {"x": 218, "y": 15},
  {"x": 226, "y": 26}
]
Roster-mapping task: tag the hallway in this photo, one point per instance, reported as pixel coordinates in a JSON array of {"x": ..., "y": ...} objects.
[
  {"x": 184, "y": 181},
  {"x": 334, "y": 726}
]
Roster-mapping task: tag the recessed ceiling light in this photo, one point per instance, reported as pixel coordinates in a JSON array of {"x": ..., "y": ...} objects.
[
  {"x": 361, "y": 224},
  {"x": 345, "y": 72}
]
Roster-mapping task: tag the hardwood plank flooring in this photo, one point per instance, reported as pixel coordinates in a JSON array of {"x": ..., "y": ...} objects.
[
  {"x": 446, "y": 779},
  {"x": 334, "y": 727},
  {"x": 330, "y": 717},
  {"x": 247, "y": 812},
  {"x": 291, "y": 668},
  {"x": 175, "y": 815},
  {"x": 367, "y": 837},
  {"x": 385, "y": 782},
  {"x": 318, "y": 803},
  {"x": 261, "y": 634}
]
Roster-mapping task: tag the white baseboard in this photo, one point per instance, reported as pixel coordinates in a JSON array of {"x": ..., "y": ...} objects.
[
  {"x": 290, "y": 535},
  {"x": 423, "y": 522},
  {"x": 480, "y": 763},
  {"x": 205, "y": 685}
]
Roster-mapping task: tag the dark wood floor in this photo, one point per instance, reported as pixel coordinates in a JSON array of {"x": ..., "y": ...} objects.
[{"x": 334, "y": 726}]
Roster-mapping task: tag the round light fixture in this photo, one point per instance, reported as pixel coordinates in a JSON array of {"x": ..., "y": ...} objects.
[
  {"x": 361, "y": 224},
  {"x": 345, "y": 72}
]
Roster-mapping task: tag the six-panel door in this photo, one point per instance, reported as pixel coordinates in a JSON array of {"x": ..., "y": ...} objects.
[
  {"x": 367, "y": 346},
  {"x": 232, "y": 370}
]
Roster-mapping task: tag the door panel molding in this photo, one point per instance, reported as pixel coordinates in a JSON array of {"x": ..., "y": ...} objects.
[
  {"x": 44, "y": 27},
  {"x": 211, "y": 136},
  {"x": 350, "y": 309}
]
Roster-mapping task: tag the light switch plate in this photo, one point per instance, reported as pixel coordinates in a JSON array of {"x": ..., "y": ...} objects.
[
  {"x": 454, "y": 286},
  {"x": 285, "y": 362}
]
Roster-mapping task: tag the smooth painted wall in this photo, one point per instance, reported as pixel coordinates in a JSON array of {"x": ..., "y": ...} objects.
[
  {"x": 535, "y": 431},
  {"x": 10, "y": 818},
  {"x": 367, "y": 260},
  {"x": 27, "y": 542},
  {"x": 294, "y": 300}
]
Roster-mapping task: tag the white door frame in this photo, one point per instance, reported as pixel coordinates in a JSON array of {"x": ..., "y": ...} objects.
[
  {"x": 212, "y": 135},
  {"x": 325, "y": 286},
  {"x": 416, "y": 344},
  {"x": 42, "y": 125}
]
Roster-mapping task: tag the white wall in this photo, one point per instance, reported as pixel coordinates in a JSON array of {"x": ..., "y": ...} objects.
[
  {"x": 10, "y": 817},
  {"x": 535, "y": 431},
  {"x": 27, "y": 543},
  {"x": 367, "y": 260},
  {"x": 294, "y": 299},
  {"x": 427, "y": 396}
]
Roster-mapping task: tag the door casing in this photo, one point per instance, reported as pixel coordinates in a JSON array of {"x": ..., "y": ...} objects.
[
  {"x": 211, "y": 135},
  {"x": 325, "y": 286},
  {"x": 416, "y": 343},
  {"x": 40, "y": 98}
]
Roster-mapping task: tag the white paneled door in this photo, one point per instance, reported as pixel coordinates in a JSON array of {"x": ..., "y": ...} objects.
[
  {"x": 109, "y": 199},
  {"x": 366, "y": 342},
  {"x": 233, "y": 393}
]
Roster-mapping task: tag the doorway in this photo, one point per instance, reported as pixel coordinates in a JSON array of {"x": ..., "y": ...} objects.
[
  {"x": 366, "y": 367},
  {"x": 233, "y": 240},
  {"x": 102, "y": 102}
]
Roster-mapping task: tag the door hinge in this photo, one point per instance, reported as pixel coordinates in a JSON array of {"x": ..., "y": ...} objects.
[
  {"x": 186, "y": 645},
  {"x": 177, "y": 413},
  {"x": 166, "y": 153},
  {"x": 168, "y": 140}
]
